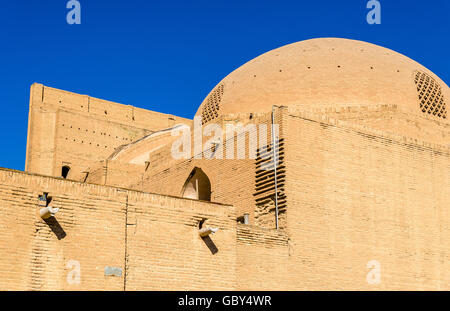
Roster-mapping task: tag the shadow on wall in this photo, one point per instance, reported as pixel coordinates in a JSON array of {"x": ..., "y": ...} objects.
[
  {"x": 56, "y": 227},
  {"x": 210, "y": 244}
]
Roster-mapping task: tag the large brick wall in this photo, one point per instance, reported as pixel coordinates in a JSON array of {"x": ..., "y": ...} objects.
[
  {"x": 357, "y": 195},
  {"x": 152, "y": 238}
]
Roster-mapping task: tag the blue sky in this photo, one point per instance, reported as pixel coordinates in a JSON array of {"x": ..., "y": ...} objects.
[{"x": 167, "y": 55}]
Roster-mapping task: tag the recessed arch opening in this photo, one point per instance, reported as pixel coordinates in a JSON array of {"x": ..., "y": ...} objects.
[{"x": 197, "y": 186}]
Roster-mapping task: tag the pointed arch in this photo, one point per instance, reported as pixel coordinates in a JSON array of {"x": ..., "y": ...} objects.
[{"x": 197, "y": 186}]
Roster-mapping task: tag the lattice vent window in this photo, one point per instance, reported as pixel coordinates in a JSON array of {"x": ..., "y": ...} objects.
[
  {"x": 212, "y": 105},
  {"x": 430, "y": 95}
]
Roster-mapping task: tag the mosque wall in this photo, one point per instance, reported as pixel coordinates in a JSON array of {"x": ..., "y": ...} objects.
[
  {"x": 78, "y": 130},
  {"x": 117, "y": 174},
  {"x": 235, "y": 181},
  {"x": 391, "y": 119},
  {"x": 358, "y": 195},
  {"x": 262, "y": 257},
  {"x": 362, "y": 186}
]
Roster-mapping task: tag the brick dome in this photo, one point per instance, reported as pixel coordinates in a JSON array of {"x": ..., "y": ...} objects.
[{"x": 325, "y": 72}]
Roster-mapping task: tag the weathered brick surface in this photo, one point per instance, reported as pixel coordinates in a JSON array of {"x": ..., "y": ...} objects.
[
  {"x": 152, "y": 238},
  {"x": 355, "y": 183},
  {"x": 262, "y": 257},
  {"x": 65, "y": 128},
  {"x": 91, "y": 231},
  {"x": 354, "y": 194},
  {"x": 232, "y": 179},
  {"x": 165, "y": 251}
]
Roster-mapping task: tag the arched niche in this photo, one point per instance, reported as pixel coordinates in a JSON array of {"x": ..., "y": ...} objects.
[
  {"x": 197, "y": 186},
  {"x": 65, "y": 171}
]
